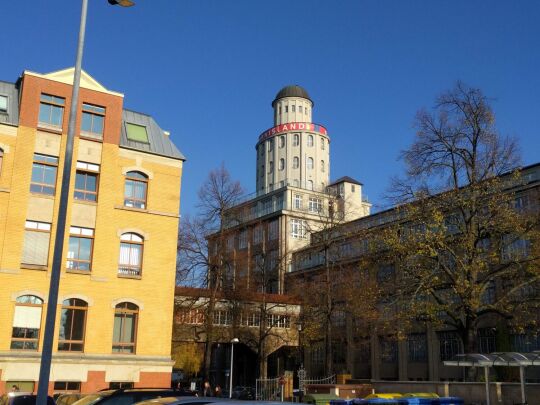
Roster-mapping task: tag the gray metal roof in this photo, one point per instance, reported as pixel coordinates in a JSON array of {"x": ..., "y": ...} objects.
[
  {"x": 12, "y": 92},
  {"x": 293, "y": 90},
  {"x": 158, "y": 142},
  {"x": 345, "y": 179}
]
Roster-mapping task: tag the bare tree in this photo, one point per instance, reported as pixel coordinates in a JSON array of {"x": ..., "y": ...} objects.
[
  {"x": 463, "y": 245},
  {"x": 203, "y": 255}
]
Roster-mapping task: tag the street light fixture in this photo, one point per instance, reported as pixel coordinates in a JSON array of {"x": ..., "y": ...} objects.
[
  {"x": 50, "y": 319},
  {"x": 233, "y": 341}
]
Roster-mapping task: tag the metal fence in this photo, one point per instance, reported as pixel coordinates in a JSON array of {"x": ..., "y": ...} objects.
[{"x": 267, "y": 389}]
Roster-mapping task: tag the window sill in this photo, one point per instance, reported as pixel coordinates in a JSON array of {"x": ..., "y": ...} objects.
[
  {"x": 47, "y": 128},
  {"x": 90, "y": 137},
  {"x": 33, "y": 267},
  {"x": 4, "y": 190},
  {"x": 50, "y": 197},
  {"x": 128, "y": 276},
  {"x": 86, "y": 202},
  {"x": 84, "y": 272}
]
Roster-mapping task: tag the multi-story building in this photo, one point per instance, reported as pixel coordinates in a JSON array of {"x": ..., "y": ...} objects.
[
  {"x": 116, "y": 294},
  {"x": 376, "y": 354}
]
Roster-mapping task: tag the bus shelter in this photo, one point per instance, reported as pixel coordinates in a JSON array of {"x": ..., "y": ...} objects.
[{"x": 503, "y": 359}]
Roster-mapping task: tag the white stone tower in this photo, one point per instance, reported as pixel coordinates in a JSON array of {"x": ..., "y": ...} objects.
[{"x": 294, "y": 151}]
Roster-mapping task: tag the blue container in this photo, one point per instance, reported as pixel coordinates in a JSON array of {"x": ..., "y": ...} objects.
[
  {"x": 386, "y": 401},
  {"x": 450, "y": 401},
  {"x": 420, "y": 401},
  {"x": 342, "y": 402},
  {"x": 359, "y": 401}
]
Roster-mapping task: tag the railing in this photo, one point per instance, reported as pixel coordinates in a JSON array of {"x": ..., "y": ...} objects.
[
  {"x": 267, "y": 389},
  {"x": 129, "y": 271}
]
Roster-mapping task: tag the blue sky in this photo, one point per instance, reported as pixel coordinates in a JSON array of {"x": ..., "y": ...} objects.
[{"x": 209, "y": 70}]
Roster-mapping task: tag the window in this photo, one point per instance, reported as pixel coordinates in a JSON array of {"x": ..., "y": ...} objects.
[
  {"x": 26, "y": 323},
  {"x": 300, "y": 108},
  {"x": 310, "y": 140},
  {"x": 310, "y": 184},
  {"x": 293, "y": 108},
  {"x": 242, "y": 240},
  {"x": 282, "y": 141},
  {"x": 136, "y": 133},
  {"x": 273, "y": 227},
  {"x": 525, "y": 343},
  {"x": 44, "y": 174},
  {"x": 125, "y": 327},
  {"x": 92, "y": 121},
  {"x": 315, "y": 204},
  {"x": 131, "y": 254},
  {"x": 86, "y": 181},
  {"x": 323, "y": 143},
  {"x": 310, "y": 163},
  {"x": 286, "y": 108},
  {"x": 67, "y": 386},
  {"x": 72, "y": 325},
  {"x": 417, "y": 347},
  {"x": 36, "y": 243},
  {"x": 353, "y": 188},
  {"x": 296, "y": 140},
  {"x": 298, "y": 229},
  {"x": 449, "y": 345},
  {"x": 79, "y": 255},
  {"x": 270, "y": 167},
  {"x": 322, "y": 166},
  {"x": 3, "y": 103},
  {"x": 295, "y": 162},
  {"x": 514, "y": 248},
  {"x": 51, "y": 111},
  {"x": 222, "y": 318},
  {"x": 270, "y": 145},
  {"x": 280, "y": 109},
  {"x": 487, "y": 340},
  {"x": 258, "y": 234},
  {"x": 385, "y": 273},
  {"x": 281, "y": 164},
  {"x": 120, "y": 385},
  {"x": 135, "y": 190},
  {"x": 388, "y": 350},
  {"x": 298, "y": 201},
  {"x": 1, "y": 159}
]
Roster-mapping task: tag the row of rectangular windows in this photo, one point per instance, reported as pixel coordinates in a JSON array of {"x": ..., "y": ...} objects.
[
  {"x": 72, "y": 325},
  {"x": 296, "y": 142},
  {"x": 80, "y": 249},
  {"x": 224, "y": 318},
  {"x": 44, "y": 178},
  {"x": 51, "y": 115}
]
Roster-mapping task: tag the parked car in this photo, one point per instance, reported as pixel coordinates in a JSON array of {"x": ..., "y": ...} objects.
[
  {"x": 127, "y": 396},
  {"x": 183, "y": 401},
  {"x": 22, "y": 398},
  {"x": 245, "y": 393},
  {"x": 68, "y": 399}
]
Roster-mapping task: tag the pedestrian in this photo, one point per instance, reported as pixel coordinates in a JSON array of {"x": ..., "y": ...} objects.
[
  {"x": 217, "y": 391},
  {"x": 14, "y": 388},
  {"x": 207, "y": 390}
]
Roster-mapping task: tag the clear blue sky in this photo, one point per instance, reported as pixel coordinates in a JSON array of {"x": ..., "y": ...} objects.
[{"x": 208, "y": 70}]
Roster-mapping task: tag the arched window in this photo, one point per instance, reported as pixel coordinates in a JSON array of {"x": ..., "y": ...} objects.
[
  {"x": 270, "y": 167},
  {"x": 322, "y": 166},
  {"x": 295, "y": 162},
  {"x": 26, "y": 323},
  {"x": 126, "y": 316},
  {"x": 310, "y": 140},
  {"x": 323, "y": 143},
  {"x": 296, "y": 140},
  {"x": 135, "y": 190},
  {"x": 310, "y": 163},
  {"x": 310, "y": 184},
  {"x": 72, "y": 325},
  {"x": 281, "y": 164},
  {"x": 270, "y": 145},
  {"x": 281, "y": 141},
  {"x": 131, "y": 254}
]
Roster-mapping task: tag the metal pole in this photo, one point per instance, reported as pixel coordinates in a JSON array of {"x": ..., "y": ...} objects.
[
  {"x": 522, "y": 383},
  {"x": 230, "y": 377},
  {"x": 486, "y": 374},
  {"x": 48, "y": 335}
]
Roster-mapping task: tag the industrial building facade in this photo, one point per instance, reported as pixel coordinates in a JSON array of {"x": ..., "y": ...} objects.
[{"x": 116, "y": 293}]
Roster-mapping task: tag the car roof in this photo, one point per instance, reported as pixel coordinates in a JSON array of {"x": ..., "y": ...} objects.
[{"x": 181, "y": 400}]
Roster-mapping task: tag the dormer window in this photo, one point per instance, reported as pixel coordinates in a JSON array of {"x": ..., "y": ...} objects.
[{"x": 136, "y": 133}]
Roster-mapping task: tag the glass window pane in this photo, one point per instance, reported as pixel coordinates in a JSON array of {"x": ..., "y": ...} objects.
[
  {"x": 86, "y": 123},
  {"x": 56, "y": 116},
  {"x": 65, "y": 322},
  {"x": 85, "y": 248},
  {"x": 80, "y": 180},
  {"x": 117, "y": 327},
  {"x": 78, "y": 324},
  {"x": 98, "y": 124},
  {"x": 44, "y": 113},
  {"x": 136, "y": 133},
  {"x": 91, "y": 182}
]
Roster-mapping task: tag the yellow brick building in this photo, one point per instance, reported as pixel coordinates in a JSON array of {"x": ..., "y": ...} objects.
[{"x": 116, "y": 292}]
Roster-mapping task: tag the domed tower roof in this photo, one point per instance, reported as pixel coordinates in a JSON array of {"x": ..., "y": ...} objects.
[{"x": 292, "y": 91}]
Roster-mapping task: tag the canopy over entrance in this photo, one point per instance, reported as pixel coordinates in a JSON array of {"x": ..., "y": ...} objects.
[{"x": 502, "y": 359}]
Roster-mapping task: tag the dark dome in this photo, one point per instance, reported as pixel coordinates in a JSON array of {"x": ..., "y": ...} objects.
[{"x": 292, "y": 91}]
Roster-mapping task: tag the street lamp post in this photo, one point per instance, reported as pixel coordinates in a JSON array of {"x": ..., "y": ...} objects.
[
  {"x": 48, "y": 335},
  {"x": 235, "y": 340}
]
